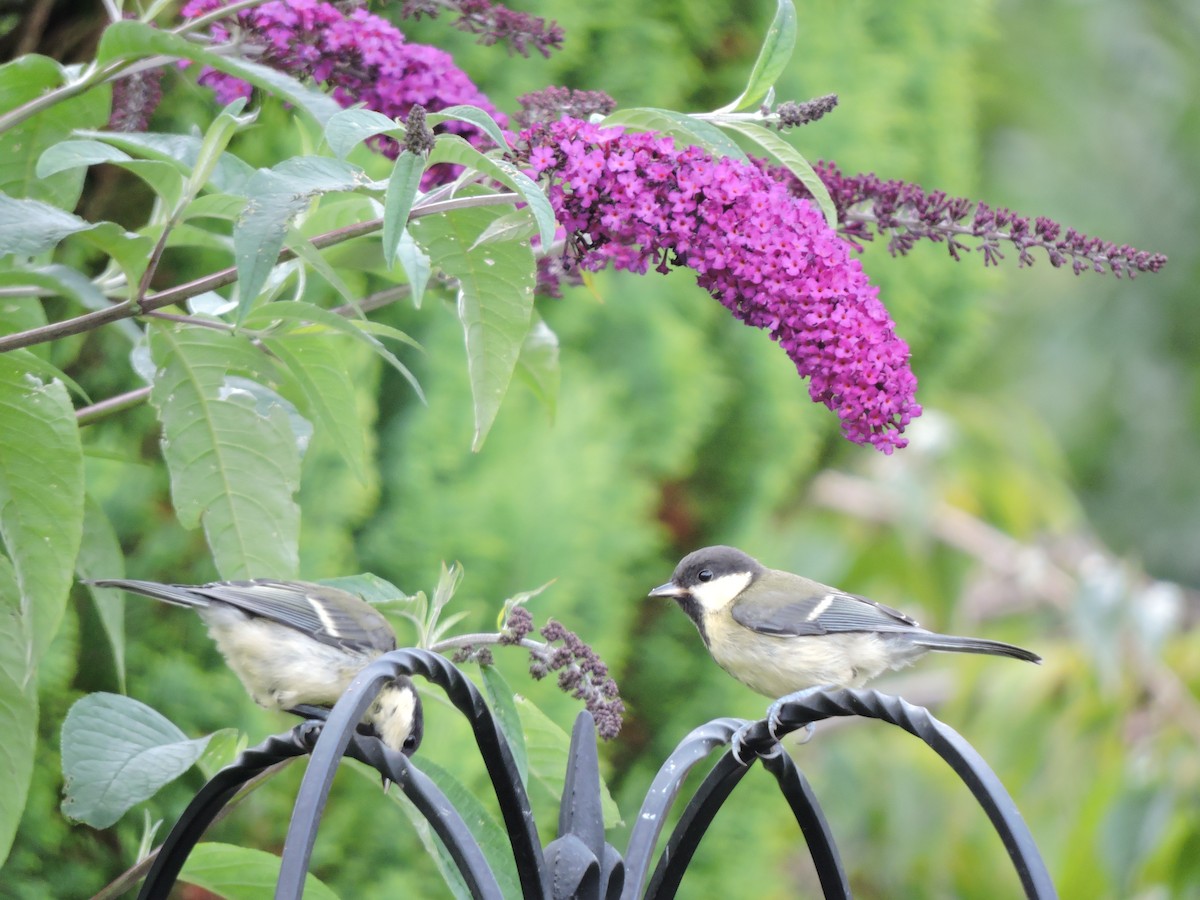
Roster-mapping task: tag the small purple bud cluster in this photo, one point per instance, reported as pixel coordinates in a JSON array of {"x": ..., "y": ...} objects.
[
  {"x": 493, "y": 23},
  {"x": 906, "y": 213},
  {"x": 584, "y": 675},
  {"x": 134, "y": 99},
  {"x": 792, "y": 114},
  {"x": 552, "y": 103},
  {"x": 472, "y": 654},
  {"x": 765, "y": 254},
  {"x": 361, "y": 57}
]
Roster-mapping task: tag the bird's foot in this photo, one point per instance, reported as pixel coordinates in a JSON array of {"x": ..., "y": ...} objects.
[
  {"x": 775, "y": 712},
  {"x": 743, "y": 753}
]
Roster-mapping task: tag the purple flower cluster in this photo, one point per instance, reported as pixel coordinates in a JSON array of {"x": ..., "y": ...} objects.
[
  {"x": 494, "y": 23},
  {"x": 905, "y": 212},
  {"x": 361, "y": 57},
  {"x": 765, "y": 254}
]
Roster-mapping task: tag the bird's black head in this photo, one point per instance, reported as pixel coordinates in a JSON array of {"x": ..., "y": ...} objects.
[{"x": 711, "y": 564}]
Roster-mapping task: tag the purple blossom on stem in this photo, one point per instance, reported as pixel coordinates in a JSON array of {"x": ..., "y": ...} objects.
[
  {"x": 134, "y": 99},
  {"x": 552, "y": 103},
  {"x": 764, "y": 253},
  {"x": 493, "y": 23},
  {"x": 905, "y": 213},
  {"x": 360, "y": 57}
]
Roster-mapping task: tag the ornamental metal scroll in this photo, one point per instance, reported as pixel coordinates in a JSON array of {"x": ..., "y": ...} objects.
[{"x": 580, "y": 862}]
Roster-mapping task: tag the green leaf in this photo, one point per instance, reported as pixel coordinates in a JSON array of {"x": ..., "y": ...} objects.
[
  {"x": 223, "y": 748},
  {"x": 685, "y": 129},
  {"x": 129, "y": 39},
  {"x": 242, "y": 873},
  {"x": 548, "y": 747},
  {"x": 450, "y": 148},
  {"x": 772, "y": 59},
  {"x": 517, "y": 225},
  {"x": 500, "y": 698},
  {"x": 416, "y": 265},
  {"x": 117, "y": 752},
  {"x": 319, "y": 368},
  {"x": 41, "y": 497},
  {"x": 371, "y": 588},
  {"x": 429, "y": 840},
  {"x": 403, "y": 185},
  {"x": 66, "y": 155},
  {"x": 472, "y": 115},
  {"x": 181, "y": 152},
  {"x": 274, "y": 197},
  {"x": 347, "y": 128},
  {"x": 18, "y": 708},
  {"x": 795, "y": 162},
  {"x": 234, "y": 466},
  {"x": 100, "y": 556},
  {"x": 62, "y": 280},
  {"x": 538, "y": 363},
  {"x": 488, "y": 833},
  {"x": 30, "y": 227},
  {"x": 495, "y": 301},
  {"x": 23, "y": 80},
  {"x": 317, "y": 319}
]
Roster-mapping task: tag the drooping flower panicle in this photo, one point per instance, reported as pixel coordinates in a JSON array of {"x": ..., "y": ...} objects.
[
  {"x": 768, "y": 256},
  {"x": 493, "y": 23},
  {"x": 906, "y": 213},
  {"x": 361, "y": 57}
]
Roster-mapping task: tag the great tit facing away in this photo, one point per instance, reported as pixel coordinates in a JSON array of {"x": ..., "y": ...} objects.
[
  {"x": 779, "y": 633},
  {"x": 297, "y": 645}
]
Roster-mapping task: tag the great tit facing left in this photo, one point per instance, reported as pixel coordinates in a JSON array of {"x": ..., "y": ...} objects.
[
  {"x": 297, "y": 645},
  {"x": 779, "y": 633}
]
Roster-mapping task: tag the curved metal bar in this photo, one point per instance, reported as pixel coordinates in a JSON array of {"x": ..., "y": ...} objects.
[
  {"x": 651, "y": 818},
  {"x": 817, "y": 704},
  {"x": 348, "y": 711},
  {"x": 811, "y": 818},
  {"x": 211, "y": 799},
  {"x": 684, "y": 840},
  {"x": 437, "y": 810}
]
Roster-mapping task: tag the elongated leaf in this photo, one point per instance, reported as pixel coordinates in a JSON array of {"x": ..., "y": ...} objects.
[
  {"x": 795, "y": 162},
  {"x": 234, "y": 468},
  {"x": 416, "y": 265},
  {"x": 30, "y": 227},
  {"x": 41, "y": 497},
  {"x": 316, "y": 319},
  {"x": 63, "y": 281},
  {"x": 472, "y": 115},
  {"x": 18, "y": 708},
  {"x": 488, "y": 833},
  {"x": 347, "y": 128},
  {"x": 242, "y": 873},
  {"x": 429, "y": 840},
  {"x": 130, "y": 40},
  {"x": 500, "y": 699},
  {"x": 548, "y": 747},
  {"x": 538, "y": 363},
  {"x": 318, "y": 366},
  {"x": 23, "y": 80},
  {"x": 402, "y": 189},
  {"x": 450, "y": 148},
  {"x": 682, "y": 127},
  {"x": 117, "y": 752},
  {"x": 274, "y": 197},
  {"x": 371, "y": 588},
  {"x": 66, "y": 155},
  {"x": 773, "y": 58},
  {"x": 495, "y": 301},
  {"x": 100, "y": 556},
  {"x": 181, "y": 151}
]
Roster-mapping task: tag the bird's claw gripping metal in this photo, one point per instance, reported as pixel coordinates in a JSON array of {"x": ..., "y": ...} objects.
[
  {"x": 775, "y": 713},
  {"x": 743, "y": 745}
]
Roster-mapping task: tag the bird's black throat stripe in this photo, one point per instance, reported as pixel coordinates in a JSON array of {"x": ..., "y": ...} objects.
[{"x": 691, "y": 606}]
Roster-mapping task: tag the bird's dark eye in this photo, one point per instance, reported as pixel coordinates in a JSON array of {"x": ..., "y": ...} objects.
[{"x": 705, "y": 575}]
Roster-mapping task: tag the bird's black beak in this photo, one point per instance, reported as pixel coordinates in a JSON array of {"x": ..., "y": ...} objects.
[{"x": 670, "y": 589}]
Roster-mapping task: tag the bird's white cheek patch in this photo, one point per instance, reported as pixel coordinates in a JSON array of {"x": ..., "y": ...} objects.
[{"x": 717, "y": 594}]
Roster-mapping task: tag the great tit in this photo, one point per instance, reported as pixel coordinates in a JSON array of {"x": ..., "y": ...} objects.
[
  {"x": 296, "y": 646},
  {"x": 779, "y": 633}
]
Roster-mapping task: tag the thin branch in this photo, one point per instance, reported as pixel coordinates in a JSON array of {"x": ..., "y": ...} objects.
[
  {"x": 128, "y": 309},
  {"x": 88, "y": 415}
]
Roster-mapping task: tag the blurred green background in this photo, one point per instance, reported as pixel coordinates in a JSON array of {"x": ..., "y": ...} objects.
[{"x": 1049, "y": 495}]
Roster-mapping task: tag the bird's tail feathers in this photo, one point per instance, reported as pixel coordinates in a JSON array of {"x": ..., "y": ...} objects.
[
  {"x": 178, "y": 595},
  {"x": 953, "y": 644}
]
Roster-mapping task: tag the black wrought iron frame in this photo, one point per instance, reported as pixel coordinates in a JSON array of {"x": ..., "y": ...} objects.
[{"x": 580, "y": 862}]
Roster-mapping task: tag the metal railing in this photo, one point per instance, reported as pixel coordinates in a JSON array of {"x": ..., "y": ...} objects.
[{"x": 580, "y": 862}]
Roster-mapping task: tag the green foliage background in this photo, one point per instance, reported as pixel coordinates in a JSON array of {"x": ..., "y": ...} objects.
[{"x": 1062, "y": 412}]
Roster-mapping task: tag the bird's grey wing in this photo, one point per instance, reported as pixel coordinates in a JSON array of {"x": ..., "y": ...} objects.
[
  {"x": 820, "y": 610},
  {"x": 329, "y": 615}
]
